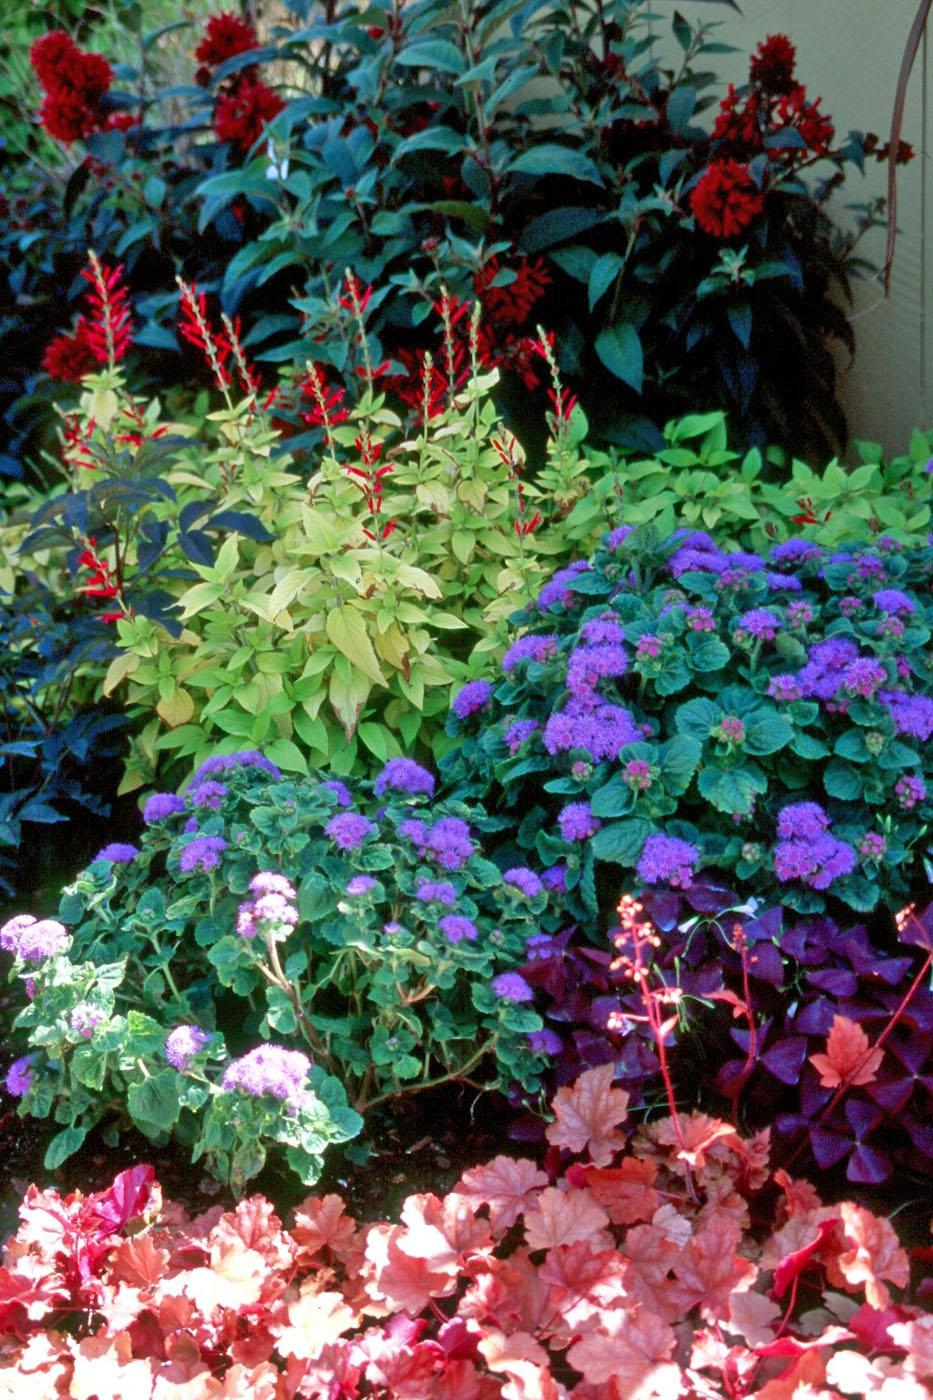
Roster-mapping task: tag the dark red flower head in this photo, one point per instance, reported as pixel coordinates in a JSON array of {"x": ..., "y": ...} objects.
[
  {"x": 225, "y": 36},
  {"x": 726, "y": 199},
  {"x": 241, "y": 114},
  {"x": 68, "y": 358},
  {"x": 74, "y": 83},
  {"x": 772, "y": 65}
]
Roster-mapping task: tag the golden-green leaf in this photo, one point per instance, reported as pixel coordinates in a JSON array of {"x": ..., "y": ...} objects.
[{"x": 347, "y": 630}]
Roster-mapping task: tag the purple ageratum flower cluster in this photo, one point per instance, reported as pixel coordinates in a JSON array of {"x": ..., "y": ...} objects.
[
  {"x": 448, "y": 842},
  {"x": 360, "y": 885},
  {"x": 436, "y": 891},
  {"x": 456, "y": 928},
  {"x": 667, "y": 860},
  {"x": 224, "y": 762},
  {"x": 558, "y": 592},
  {"x": 864, "y": 676},
  {"x": 340, "y": 791},
  {"x": 588, "y": 665},
  {"x": 203, "y": 853},
  {"x": 603, "y": 631},
  {"x": 183, "y": 1043},
  {"x": 118, "y": 853},
  {"x": 523, "y": 879},
  {"x": 759, "y": 624},
  {"x": 807, "y": 851},
  {"x": 471, "y": 698},
  {"x": 519, "y": 733},
  {"x": 404, "y": 775},
  {"x": 601, "y": 732},
  {"x": 850, "y": 605},
  {"x": 617, "y": 537},
  {"x": 700, "y": 619},
  {"x": 270, "y": 1070},
  {"x": 84, "y": 1018},
  {"x": 532, "y": 648},
  {"x": 545, "y": 1042},
  {"x": 892, "y": 600},
  {"x": 554, "y": 878},
  {"x": 784, "y": 687},
  {"x": 912, "y": 714},
  {"x": 799, "y": 614},
  {"x": 822, "y": 674},
  {"x": 207, "y": 794},
  {"x": 512, "y": 987},
  {"x": 272, "y": 912},
  {"x": 33, "y": 940},
  {"x": 577, "y": 823},
  {"x": 348, "y": 830},
  {"x": 910, "y": 791},
  {"x": 802, "y": 821},
  {"x": 872, "y": 846},
  {"x": 18, "y": 1080},
  {"x": 697, "y": 553},
  {"x": 162, "y": 805},
  {"x": 648, "y": 647},
  {"x": 793, "y": 552}
]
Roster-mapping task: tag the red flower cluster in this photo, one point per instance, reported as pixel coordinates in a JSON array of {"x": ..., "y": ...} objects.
[
  {"x": 772, "y": 65},
  {"x": 68, "y": 358},
  {"x": 796, "y": 113},
  {"x": 225, "y": 36},
  {"x": 726, "y": 199},
  {"x": 244, "y": 103},
  {"x": 74, "y": 84},
  {"x": 241, "y": 113}
]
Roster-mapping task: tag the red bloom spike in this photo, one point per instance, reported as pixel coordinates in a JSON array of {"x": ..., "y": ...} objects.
[
  {"x": 241, "y": 113},
  {"x": 225, "y": 35},
  {"x": 74, "y": 83},
  {"x": 109, "y": 330},
  {"x": 772, "y": 65}
]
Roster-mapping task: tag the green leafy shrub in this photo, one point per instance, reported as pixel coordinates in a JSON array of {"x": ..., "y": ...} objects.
[
  {"x": 341, "y": 608},
  {"x": 540, "y": 158},
  {"x": 699, "y": 480},
  {"x": 674, "y": 706},
  {"x": 261, "y": 909}
]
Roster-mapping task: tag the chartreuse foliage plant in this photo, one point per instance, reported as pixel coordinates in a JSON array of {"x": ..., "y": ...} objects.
[
  {"x": 659, "y": 1267},
  {"x": 276, "y": 957},
  {"x": 699, "y": 479},
  {"x": 342, "y": 607},
  {"x": 677, "y": 707}
]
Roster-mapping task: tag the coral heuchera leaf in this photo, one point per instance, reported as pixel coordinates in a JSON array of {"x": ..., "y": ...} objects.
[
  {"x": 587, "y": 1114},
  {"x": 849, "y": 1057}
]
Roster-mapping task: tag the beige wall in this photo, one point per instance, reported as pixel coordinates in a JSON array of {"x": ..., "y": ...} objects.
[{"x": 848, "y": 53}]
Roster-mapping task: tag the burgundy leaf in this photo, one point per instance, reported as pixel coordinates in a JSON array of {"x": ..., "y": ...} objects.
[
  {"x": 785, "y": 1059},
  {"x": 868, "y": 1166}
]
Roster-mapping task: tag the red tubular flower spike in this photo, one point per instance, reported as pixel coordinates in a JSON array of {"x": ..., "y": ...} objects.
[
  {"x": 109, "y": 330},
  {"x": 249, "y": 379},
  {"x": 327, "y": 411},
  {"x": 102, "y": 584},
  {"x": 356, "y": 302},
  {"x": 195, "y": 329}
]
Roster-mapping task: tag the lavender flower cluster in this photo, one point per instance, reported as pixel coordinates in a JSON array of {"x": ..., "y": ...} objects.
[
  {"x": 755, "y": 681},
  {"x": 272, "y": 912},
  {"x": 270, "y": 1070}
]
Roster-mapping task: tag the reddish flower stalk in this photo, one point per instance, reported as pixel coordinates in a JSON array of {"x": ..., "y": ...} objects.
[
  {"x": 327, "y": 411},
  {"x": 356, "y": 302},
  {"x": 196, "y": 330},
  {"x": 635, "y": 939},
  {"x": 109, "y": 329},
  {"x": 249, "y": 379},
  {"x": 102, "y": 583}
]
